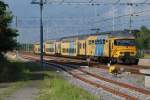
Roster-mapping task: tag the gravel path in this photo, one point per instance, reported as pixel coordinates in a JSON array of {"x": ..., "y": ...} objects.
[
  {"x": 137, "y": 80},
  {"x": 4, "y": 86},
  {"x": 28, "y": 92}
]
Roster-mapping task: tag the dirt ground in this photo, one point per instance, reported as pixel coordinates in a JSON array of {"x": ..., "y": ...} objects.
[{"x": 28, "y": 92}]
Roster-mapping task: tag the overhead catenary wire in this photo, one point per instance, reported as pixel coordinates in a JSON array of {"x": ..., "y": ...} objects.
[
  {"x": 120, "y": 16},
  {"x": 117, "y": 17},
  {"x": 93, "y": 22},
  {"x": 92, "y": 2}
]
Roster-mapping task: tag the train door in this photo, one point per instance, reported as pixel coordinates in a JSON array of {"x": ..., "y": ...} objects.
[{"x": 109, "y": 48}]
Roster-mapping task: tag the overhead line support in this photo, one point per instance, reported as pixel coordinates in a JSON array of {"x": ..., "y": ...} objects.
[{"x": 41, "y": 3}]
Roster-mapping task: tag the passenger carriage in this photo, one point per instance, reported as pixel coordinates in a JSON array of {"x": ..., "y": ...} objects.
[
  {"x": 50, "y": 47},
  {"x": 36, "y": 48},
  {"x": 69, "y": 46}
]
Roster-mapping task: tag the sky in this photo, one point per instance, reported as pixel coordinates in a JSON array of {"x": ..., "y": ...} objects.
[{"x": 63, "y": 19}]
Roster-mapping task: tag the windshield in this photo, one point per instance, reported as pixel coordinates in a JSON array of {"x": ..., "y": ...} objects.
[{"x": 124, "y": 42}]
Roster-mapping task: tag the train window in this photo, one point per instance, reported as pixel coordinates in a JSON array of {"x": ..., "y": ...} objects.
[
  {"x": 100, "y": 41},
  {"x": 93, "y": 41},
  {"x": 73, "y": 50},
  {"x": 52, "y": 49},
  {"x": 49, "y": 49},
  {"x": 80, "y": 45},
  {"x": 83, "y": 45},
  {"x": 90, "y": 42},
  {"x": 63, "y": 50},
  {"x": 103, "y": 41},
  {"x": 96, "y": 41}
]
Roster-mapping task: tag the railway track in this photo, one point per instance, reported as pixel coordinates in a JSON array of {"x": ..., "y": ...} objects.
[
  {"x": 135, "y": 69},
  {"x": 129, "y": 92}
]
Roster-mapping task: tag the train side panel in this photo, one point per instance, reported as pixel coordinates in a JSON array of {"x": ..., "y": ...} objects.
[
  {"x": 64, "y": 46},
  {"x": 97, "y": 46},
  {"x": 90, "y": 46},
  {"x": 36, "y": 48},
  {"x": 58, "y": 48},
  {"x": 107, "y": 48},
  {"x": 101, "y": 45},
  {"x": 50, "y": 47},
  {"x": 82, "y": 47},
  {"x": 69, "y": 47}
]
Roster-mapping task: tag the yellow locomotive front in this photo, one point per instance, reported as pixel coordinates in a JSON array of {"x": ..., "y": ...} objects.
[{"x": 124, "y": 50}]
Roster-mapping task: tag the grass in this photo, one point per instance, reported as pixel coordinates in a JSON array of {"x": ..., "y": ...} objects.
[
  {"x": 17, "y": 71},
  {"x": 10, "y": 89},
  {"x": 52, "y": 85},
  {"x": 147, "y": 56},
  {"x": 56, "y": 88}
]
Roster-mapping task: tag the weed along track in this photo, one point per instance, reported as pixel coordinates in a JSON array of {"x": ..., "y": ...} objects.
[{"x": 120, "y": 89}]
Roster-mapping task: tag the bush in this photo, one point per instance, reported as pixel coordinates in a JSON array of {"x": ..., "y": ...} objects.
[
  {"x": 13, "y": 71},
  {"x": 32, "y": 67}
]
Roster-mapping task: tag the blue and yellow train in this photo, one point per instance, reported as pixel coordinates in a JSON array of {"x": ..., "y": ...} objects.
[{"x": 101, "y": 47}]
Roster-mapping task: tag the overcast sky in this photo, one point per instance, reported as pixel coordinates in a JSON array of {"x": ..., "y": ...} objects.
[{"x": 72, "y": 19}]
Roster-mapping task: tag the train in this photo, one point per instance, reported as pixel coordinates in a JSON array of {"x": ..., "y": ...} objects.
[{"x": 100, "y": 47}]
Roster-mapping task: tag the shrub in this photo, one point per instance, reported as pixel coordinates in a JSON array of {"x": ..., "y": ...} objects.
[{"x": 12, "y": 71}]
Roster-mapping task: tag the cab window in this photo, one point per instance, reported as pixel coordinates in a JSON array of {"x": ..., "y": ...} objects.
[{"x": 124, "y": 42}]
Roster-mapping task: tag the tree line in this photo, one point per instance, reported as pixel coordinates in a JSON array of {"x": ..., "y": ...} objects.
[
  {"x": 143, "y": 38},
  {"x": 7, "y": 34}
]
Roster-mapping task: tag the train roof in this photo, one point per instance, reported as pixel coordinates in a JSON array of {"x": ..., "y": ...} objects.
[
  {"x": 50, "y": 41},
  {"x": 37, "y": 43},
  {"x": 109, "y": 33},
  {"x": 113, "y": 34}
]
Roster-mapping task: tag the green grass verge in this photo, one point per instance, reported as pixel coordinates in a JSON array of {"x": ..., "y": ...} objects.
[
  {"x": 17, "y": 71},
  {"x": 55, "y": 87},
  {"x": 52, "y": 85}
]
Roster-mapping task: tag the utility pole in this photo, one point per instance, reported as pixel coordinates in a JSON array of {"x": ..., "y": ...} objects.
[
  {"x": 40, "y": 3},
  {"x": 130, "y": 25},
  {"x": 17, "y": 38},
  {"x": 113, "y": 17},
  {"x": 130, "y": 21},
  {"x": 131, "y": 15}
]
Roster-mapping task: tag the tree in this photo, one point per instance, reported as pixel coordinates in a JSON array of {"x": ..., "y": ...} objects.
[
  {"x": 7, "y": 34},
  {"x": 143, "y": 38}
]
